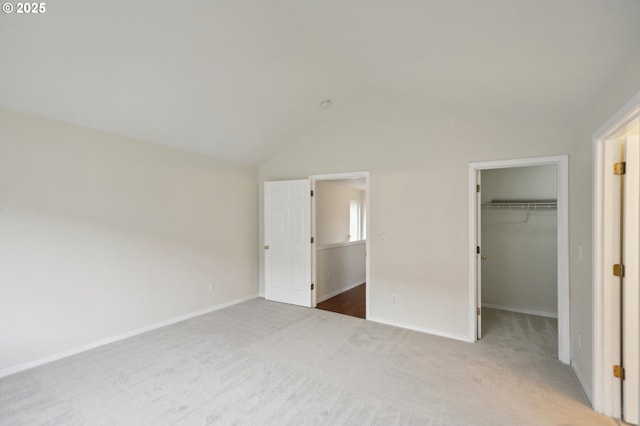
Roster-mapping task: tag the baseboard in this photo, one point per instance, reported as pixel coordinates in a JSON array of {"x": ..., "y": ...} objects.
[
  {"x": 586, "y": 389},
  {"x": 337, "y": 292},
  {"x": 60, "y": 355},
  {"x": 420, "y": 329},
  {"x": 520, "y": 310}
]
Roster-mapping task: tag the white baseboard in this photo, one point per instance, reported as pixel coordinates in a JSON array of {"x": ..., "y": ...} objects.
[
  {"x": 421, "y": 329},
  {"x": 586, "y": 389},
  {"x": 520, "y": 310},
  {"x": 337, "y": 292},
  {"x": 60, "y": 355}
]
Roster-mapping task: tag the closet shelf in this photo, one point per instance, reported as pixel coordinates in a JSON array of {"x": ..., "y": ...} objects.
[{"x": 521, "y": 204}]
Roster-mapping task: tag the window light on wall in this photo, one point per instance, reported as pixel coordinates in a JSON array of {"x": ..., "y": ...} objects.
[{"x": 354, "y": 221}]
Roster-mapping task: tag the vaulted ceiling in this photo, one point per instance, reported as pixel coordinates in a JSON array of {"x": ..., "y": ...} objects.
[{"x": 241, "y": 79}]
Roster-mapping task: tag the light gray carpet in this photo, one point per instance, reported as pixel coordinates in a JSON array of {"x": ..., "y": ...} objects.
[{"x": 263, "y": 363}]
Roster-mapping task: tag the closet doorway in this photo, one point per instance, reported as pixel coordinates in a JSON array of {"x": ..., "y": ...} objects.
[
  {"x": 518, "y": 223},
  {"x": 340, "y": 221},
  {"x": 519, "y": 297}
]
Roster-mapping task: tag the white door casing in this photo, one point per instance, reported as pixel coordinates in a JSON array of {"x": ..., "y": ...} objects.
[
  {"x": 606, "y": 348},
  {"x": 616, "y": 150},
  {"x": 562, "y": 163},
  {"x": 479, "y": 254},
  {"x": 287, "y": 250}
]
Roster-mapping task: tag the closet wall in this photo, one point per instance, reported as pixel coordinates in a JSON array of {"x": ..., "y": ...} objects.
[
  {"x": 340, "y": 264},
  {"x": 520, "y": 243}
]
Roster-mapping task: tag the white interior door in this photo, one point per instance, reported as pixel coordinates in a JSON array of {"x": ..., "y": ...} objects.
[
  {"x": 624, "y": 393},
  {"x": 479, "y": 256},
  {"x": 631, "y": 279},
  {"x": 287, "y": 250}
]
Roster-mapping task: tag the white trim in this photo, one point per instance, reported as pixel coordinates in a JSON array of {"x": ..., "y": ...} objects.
[
  {"x": 420, "y": 329},
  {"x": 367, "y": 203},
  {"x": 603, "y": 352},
  {"x": 520, "y": 310},
  {"x": 337, "y": 245},
  {"x": 586, "y": 389},
  {"x": 562, "y": 162},
  {"x": 60, "y": 355},
  {"x": 339, "y": 291}
]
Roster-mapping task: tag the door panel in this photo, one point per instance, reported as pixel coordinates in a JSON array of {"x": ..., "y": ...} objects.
[
  {"x": 287, "y": 222},
  {"x": 631, "y": 279}
]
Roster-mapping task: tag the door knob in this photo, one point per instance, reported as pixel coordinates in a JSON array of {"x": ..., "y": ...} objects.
[
  {"x": 266, "y": 247},
  {"x": 483, "y": 257}
]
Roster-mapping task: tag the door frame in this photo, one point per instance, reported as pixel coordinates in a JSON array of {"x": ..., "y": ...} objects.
[
  {"x": 367, "y": 203},
  {"x": 603, "y": 328},
  {"x": 562, "y": 163}
]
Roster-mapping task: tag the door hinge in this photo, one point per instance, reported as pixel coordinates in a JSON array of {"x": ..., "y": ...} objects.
[
  {"x": 312, "y": 192},
  {"x": 620, "y": 168},
  {"x": 477, "y": 188},
  {"x": 478, "y": 311},
  {"x": 618, "y": 372},
  {"x": 478, "y": 249},
  {"x": 313, "y": 286},
  {"x": 618, "y": 270},
  {"x": 312, "y": 240}
]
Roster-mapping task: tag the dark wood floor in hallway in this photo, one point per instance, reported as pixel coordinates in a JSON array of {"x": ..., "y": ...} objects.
[{"x": 352, "y": 302}]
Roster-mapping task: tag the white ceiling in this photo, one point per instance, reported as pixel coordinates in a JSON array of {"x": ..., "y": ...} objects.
[{"x": 241, "y": 79}]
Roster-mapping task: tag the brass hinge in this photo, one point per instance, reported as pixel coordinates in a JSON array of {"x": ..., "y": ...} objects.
[
  {"x": 312, "y": 240},
  {"x": 477, "y": 188},
  {"x": 620, "y": 168},
  {"x": 478, "y": 311},
  {"x": 313, "y": 286},
  {"x": 618, "y": 372},
  {"x": 618, "y": 270},
  {"x": 478, "y": 249},
  {"x": 312, "y": 192}
]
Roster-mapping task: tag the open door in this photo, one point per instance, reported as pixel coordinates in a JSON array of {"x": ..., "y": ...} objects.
[
  {"x": 479, "y": 256},
  {"x": 631, "y": 278},
  {"x": 622, "y": 217},
  {"x": 287, "y": 250}
]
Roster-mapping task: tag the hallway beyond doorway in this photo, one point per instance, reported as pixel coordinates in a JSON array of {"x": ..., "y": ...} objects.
[{"x": 352, "y": 302}]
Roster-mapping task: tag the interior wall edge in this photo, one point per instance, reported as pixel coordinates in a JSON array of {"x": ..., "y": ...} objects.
[{"x": 583, "y": 383}]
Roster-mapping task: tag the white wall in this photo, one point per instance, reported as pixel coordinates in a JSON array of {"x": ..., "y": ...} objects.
[
  {"x": 339, "y": 268},
  {"x": 520, "y": 271},
  {"x": 102, "y": 235},
  {"x": 417, "y": 156},
  {"x": 332, "y": 211}
]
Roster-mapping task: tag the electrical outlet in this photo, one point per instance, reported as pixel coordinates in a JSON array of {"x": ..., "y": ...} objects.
[
  {"x": 210, "y": 287},
  {"x": 394, "y": 297}
]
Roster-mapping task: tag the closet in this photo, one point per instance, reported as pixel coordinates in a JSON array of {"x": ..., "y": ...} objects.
[{"x": 519, "y": 240}]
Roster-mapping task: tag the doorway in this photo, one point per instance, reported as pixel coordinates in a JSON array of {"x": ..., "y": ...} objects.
[
  {"x": 562, "y": 246},
  {"x": 616, "y": 264},
  {"x": 519, "y": 254},
  {"x": 340, "y": 225},
  {"x": 292, "y": 261}
]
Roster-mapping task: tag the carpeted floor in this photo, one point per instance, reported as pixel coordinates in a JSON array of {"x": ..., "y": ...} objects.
[{"x": 264, "y": 363}]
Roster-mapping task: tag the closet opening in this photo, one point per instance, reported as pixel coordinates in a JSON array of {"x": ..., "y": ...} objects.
[
  {"x": 519, "y": 254},
  {"x": 340, "y": 262},
  {"x": 519, "y": 294}
]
